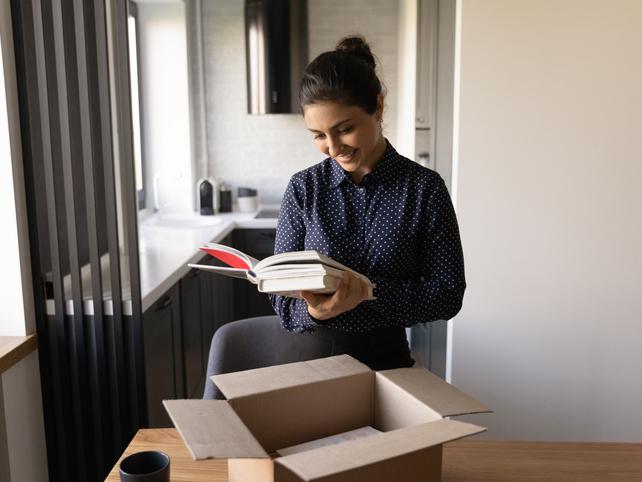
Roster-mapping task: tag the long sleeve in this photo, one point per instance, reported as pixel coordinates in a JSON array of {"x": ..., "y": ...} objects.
[
  {"x": 438, "y": 294},
  {"x": 290, "y": 236}
]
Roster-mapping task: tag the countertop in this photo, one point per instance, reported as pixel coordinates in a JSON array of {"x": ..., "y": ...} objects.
[{"x": 164, "y": 252}]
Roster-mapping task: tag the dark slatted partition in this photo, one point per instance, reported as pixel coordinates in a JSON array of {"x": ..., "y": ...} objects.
[
  {"x": 133, "y": 333},
  {"x": 83, "y": 238}
]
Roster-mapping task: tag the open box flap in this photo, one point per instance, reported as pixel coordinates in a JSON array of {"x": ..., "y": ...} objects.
[
  {"x": 212, "y": 430},
  {"x": 327, "y": 461},
  {"x": 261, "y": 380},
  {"x": 431, "y": 390}
]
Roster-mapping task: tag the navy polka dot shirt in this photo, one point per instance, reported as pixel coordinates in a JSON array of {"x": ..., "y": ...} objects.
[{"x": 398, "y": 227}]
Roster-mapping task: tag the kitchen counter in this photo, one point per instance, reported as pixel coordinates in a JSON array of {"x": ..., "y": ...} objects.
[
  {"x": 165, "y": 252},
  {"x": 165, "y": 249}
]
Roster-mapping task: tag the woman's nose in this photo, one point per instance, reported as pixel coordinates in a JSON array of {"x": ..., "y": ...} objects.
[{"x": 334, "y": 147}]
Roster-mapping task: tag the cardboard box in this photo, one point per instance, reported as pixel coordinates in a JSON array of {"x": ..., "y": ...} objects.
[{"x": 271, "y": 408}]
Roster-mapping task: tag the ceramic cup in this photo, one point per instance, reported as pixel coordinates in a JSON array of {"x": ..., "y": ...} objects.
[
  {"x": 151, "y": 466},
  {"x": 248, "y": 204}
]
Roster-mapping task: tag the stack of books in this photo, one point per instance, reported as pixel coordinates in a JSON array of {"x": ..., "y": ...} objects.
[{"x": 285, "y": 274}]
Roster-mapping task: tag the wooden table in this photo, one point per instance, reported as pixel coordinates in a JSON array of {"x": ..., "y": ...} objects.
[{"x": 464, "y": 461}]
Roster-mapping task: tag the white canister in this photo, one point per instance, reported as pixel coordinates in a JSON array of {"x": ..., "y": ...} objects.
[{"x": 248, "y": 204}]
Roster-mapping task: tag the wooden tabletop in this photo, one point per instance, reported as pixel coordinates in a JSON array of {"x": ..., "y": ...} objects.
[
  {"x": 15, "y": 348},
  {"x": 464, "y": 461}
]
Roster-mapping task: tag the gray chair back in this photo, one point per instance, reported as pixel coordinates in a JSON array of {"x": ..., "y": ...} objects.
[{"x": 256, "y": 343}]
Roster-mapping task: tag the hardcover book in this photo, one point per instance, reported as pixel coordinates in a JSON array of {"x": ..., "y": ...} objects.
[{"x": 284, "y": 274}]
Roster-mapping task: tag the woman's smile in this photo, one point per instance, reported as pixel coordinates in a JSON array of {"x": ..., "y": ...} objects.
[{"x": 347, "y": 155}]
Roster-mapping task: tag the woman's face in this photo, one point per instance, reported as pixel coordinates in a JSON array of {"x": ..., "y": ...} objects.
[{"x": 348, "y": 134}]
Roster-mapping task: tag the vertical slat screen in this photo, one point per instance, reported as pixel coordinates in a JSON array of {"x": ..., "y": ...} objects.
[
  {"x": 34, "y": 118},
  {"x": 116, "y": 366},
  {"x": 84, "y": 248},
  {"x": 121, "y": 79},
  {"x": 94, "y": 335}
]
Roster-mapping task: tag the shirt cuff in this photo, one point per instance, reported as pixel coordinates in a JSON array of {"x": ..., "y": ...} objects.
[{"x": 315, "y": 321}]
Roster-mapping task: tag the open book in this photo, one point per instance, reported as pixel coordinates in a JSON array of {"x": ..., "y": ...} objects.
[{"x": 283, "y": 274}]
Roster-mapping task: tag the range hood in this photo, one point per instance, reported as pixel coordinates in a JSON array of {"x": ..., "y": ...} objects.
[{"x": 276, "y": 49}]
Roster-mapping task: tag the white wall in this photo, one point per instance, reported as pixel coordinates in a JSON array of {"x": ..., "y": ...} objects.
[
  {"x": 263, "y": 151},
  {"x": 549, "y": 204},
  {"x": 23, "y": 422},
  {"x": 16, "y": 291},
  {"x": 407, "y": 78}
]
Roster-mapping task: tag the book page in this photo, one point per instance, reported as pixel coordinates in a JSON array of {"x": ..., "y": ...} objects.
[
  {"x": 230, "y": 256},
  {"x": 231, "y": 272},
  {"x": 309, "y": 256}
]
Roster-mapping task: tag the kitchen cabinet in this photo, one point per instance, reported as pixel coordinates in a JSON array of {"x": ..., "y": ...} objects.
[
  {"x": 164, "y": 366},
  {"x": 258, "y": 243},
  {"x": 196, "y": 318},
  {"x": 178, "y": 328},
  {"x": 220, "y": 298}
]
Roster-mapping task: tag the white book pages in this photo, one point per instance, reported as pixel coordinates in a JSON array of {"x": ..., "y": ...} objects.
[{"x": 232, "y": 272}]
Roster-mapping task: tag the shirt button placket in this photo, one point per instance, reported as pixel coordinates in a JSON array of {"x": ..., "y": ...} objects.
[{"x": 361, "y": 202}]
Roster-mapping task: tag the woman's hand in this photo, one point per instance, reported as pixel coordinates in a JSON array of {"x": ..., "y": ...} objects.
[{"x": 351, "y": 291}]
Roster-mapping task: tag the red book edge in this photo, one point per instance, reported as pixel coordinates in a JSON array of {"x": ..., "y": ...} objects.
[{"x": 228, "y": 258}]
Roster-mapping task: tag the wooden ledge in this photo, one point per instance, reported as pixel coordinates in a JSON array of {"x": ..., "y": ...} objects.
[{"x": 15, "y": 348}]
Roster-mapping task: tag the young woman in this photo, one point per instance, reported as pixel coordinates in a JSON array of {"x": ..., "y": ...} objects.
[{"x": 371, "y": 209}]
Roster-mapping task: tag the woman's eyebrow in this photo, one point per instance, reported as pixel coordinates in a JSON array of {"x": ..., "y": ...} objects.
[{"x": 334, "y": 126}]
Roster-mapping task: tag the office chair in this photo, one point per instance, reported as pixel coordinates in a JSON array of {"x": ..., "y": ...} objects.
[{"x": 256, "y": 343}]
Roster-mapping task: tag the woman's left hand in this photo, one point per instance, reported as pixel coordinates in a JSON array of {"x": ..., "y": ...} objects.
[{"x": 351, "y": 291}]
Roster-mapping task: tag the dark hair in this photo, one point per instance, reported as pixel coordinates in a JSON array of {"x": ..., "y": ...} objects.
[{"x": 345, "y": 75}]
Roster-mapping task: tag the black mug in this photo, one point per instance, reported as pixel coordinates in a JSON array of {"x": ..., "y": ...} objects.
[{"x": 151, "y": 466}]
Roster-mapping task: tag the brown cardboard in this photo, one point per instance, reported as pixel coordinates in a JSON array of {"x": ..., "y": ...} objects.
[
  {"x": 394, "y": 408},
  {"x": 309, "y": 411},
  {"x": 432, "y": 391},
  {"x": 326, "y": 462},
  {"x": 250, "y": 470},
  {"x": 276, "y": 407},
  {"x": 420, "y": 466},
  {"x": 213, "y": 429},
  {"x": 268, "y": 379}
]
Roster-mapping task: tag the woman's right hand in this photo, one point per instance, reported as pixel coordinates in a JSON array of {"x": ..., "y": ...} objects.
[{"x": 351, "y": 291}]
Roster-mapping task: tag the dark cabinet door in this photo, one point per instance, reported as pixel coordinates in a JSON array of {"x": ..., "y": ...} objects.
[
  {"x": 195, "y": 320},
  {"x": 220, "y": 298},
  {"x": 248, "y": 301},
  {"x": 163, "y": 356}
]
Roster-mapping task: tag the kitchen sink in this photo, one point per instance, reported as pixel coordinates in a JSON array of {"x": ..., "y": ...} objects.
[{"x": 267, "y": 214}]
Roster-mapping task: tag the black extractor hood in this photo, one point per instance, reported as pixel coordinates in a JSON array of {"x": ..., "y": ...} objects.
[{"x": 276, "y": 49}]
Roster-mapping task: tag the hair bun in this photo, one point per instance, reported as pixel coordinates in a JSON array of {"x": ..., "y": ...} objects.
[{"x": 358, "y": 47}]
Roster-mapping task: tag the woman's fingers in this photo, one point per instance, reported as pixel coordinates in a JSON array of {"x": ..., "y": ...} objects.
[
  {"x": 351, "y": 291},
  {"x": 308, "y": 296},
  {"x": 342, "y": 289}
]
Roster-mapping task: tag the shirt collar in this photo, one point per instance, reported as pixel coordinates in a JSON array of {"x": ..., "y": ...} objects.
[
  {"x": 381, "y": 171},
  {"x": 337, "y": 174}
]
